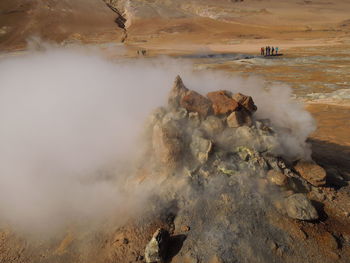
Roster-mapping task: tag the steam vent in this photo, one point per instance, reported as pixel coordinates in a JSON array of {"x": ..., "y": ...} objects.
[{"x": 241, "y": 200}]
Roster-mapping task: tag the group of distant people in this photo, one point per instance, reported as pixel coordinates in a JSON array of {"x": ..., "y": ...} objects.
[{"x": 269, "y": 51}]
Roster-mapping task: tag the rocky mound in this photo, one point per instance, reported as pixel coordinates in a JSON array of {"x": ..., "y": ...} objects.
[
  {"x": 235, "y": 178},
  {"x": 221, "y": 193}
]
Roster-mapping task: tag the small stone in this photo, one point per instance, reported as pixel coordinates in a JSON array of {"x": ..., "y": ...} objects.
[
  {"x": 277, "y": 178},
  {"x": 194, "y": 102},
  {"x": 222, "y": 102},
  {"x": 298, "y": 206},
  {"x": 155, "y": 251},
  {"x": 311, "y": 172}
]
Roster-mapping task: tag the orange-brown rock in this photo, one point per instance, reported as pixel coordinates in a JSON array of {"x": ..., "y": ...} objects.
[
  {"x": 222, "y": 102},
  {"x": 311, "y": 172},
  {"x": 194, "y": 102},
  {"x": 246, "y": 101}
]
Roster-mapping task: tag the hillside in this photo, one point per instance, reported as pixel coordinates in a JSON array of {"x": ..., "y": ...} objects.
[
  {"x": 86, "y": 21},
  {"x": 173, "y": 26}
]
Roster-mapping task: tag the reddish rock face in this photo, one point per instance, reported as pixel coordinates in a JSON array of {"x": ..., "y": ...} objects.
[
  {"x": 222, "y": 102},
  {"x": 194, "y": 102},
  {"x": 246, "y": 101},
  {"x": 311, "y": 172}
]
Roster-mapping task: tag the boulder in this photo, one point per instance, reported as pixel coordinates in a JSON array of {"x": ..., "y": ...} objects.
[
  {"x": 200, "y": 147},
  {"x": 212, "y": 125},
  {"x": 246, "y": 101},
  {"x": 222, "y": 102},
  {"x": 194, "y": 102},
  {"x": 277, "y": 177},
  {"x": 167, "y": 144},
  {"x": 234, "y": 120},
  {"x": 155, "y": 251},
  {"x": 298, "y": 206},
  {"x": 311, "y": 172},
  {"x": 177, "y": 93}
]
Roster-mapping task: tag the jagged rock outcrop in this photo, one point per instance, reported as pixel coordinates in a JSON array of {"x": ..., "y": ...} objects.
[{"x": 177, "y": 93}]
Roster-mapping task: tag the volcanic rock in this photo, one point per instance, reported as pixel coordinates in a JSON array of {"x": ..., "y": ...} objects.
[
  {"x": 155, "y": 251},
  {"x": 167, "y": 143},
  {"x": 298, "y": 206},
  {"x": 222, "y": 102},
  {"x": 277, "y": 177},
  {"x": 246, "y": 101},
  {"x": 200, "y": 147},
  {"x": 194, "y": 102},
  {"x": 177, "y": 93},
  {"x": 234, "y": 120},
  {"x": 311, "y": 172}
]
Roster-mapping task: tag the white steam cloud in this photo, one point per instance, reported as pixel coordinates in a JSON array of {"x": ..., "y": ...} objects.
[{"x": 66, "y": 115}]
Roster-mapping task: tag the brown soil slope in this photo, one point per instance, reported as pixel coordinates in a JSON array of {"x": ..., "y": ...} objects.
[{"x": 86, "y": 21}]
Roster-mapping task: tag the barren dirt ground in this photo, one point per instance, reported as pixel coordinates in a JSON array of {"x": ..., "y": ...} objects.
[{"x": 314, "y": 37}]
